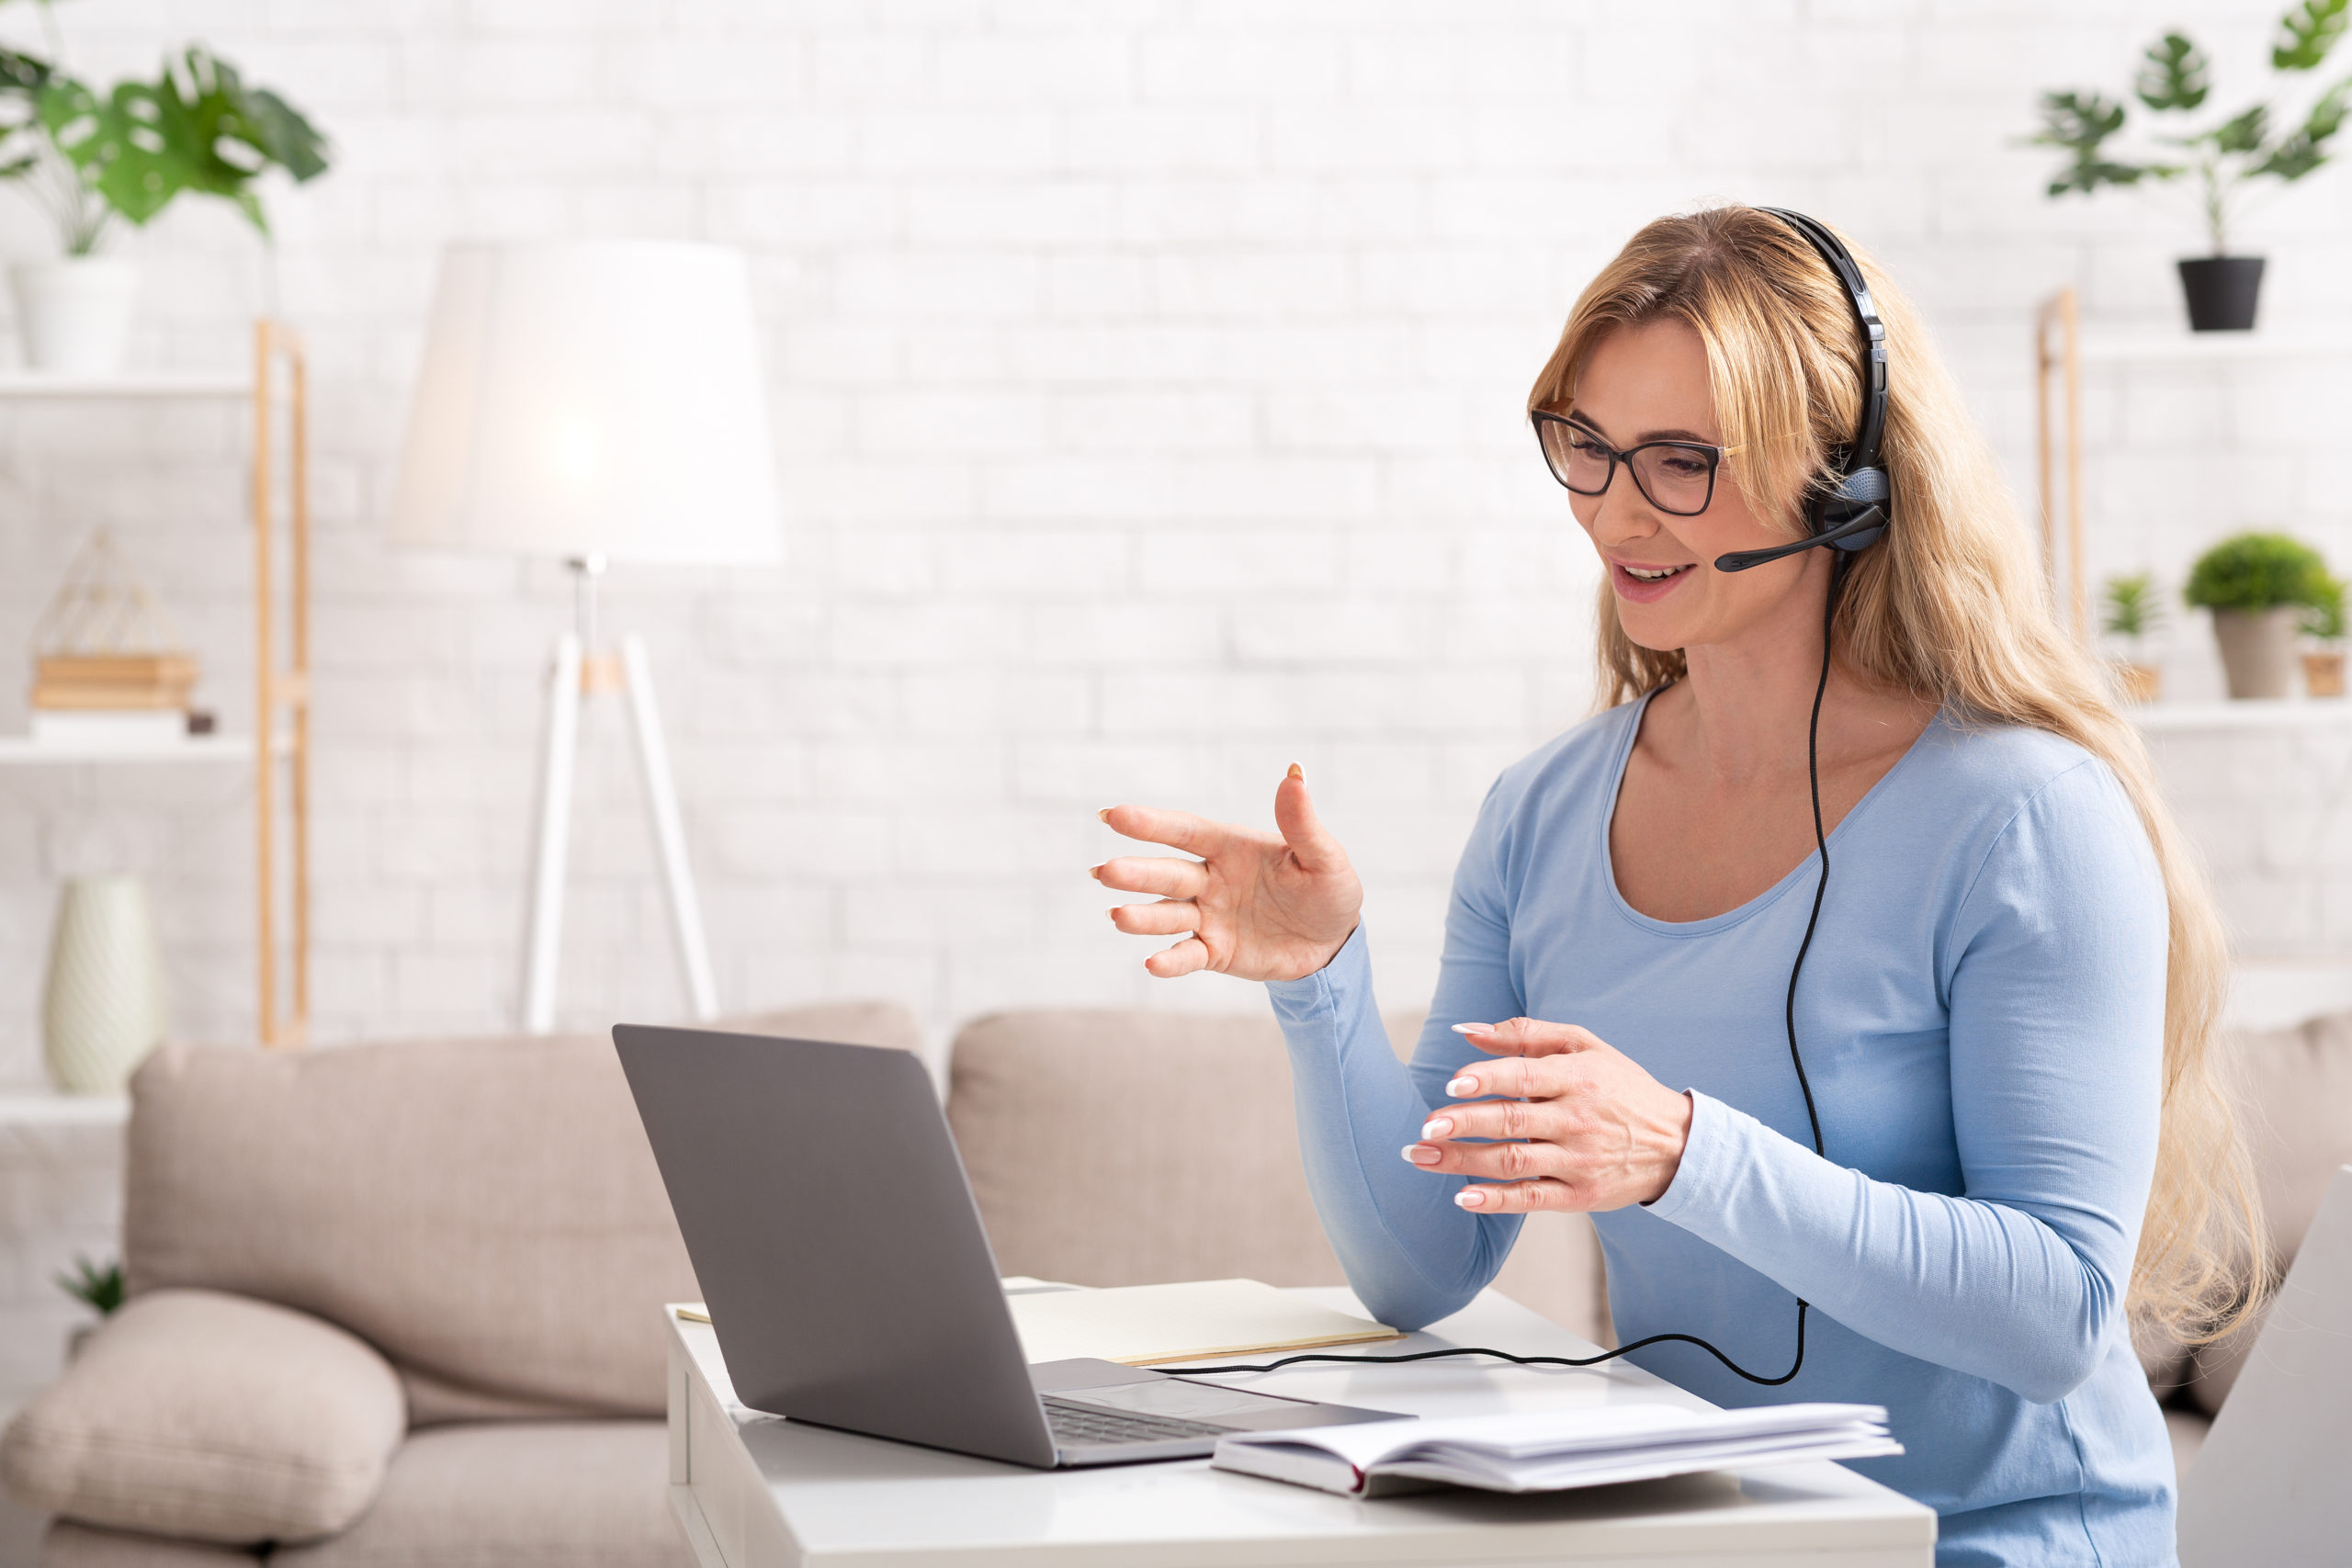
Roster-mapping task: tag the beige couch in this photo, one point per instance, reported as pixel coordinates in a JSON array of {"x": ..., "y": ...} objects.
[
  {"x": 389, "y": 1305},
  {"x": 399, "y": 1304}
]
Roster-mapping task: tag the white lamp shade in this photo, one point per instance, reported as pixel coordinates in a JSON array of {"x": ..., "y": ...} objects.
[{"x": 590, "y": 398}]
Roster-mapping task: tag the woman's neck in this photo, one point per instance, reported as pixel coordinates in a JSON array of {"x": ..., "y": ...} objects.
[{"x": 1749, "y": 700}]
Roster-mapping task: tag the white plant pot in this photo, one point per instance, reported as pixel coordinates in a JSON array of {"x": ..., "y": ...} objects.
[
  {"x": 103, "y": 1008},
  {"x": 74, "y": 312}
]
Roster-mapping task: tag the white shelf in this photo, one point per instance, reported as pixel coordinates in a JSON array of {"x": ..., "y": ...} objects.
[
  {"x": 22, "y": 751},
  {"x": 2252, "y": 712},
  {"x": 20, "y": 383},
  {"x": 2185, "y": 347},
  {"x": 47, "y": 1108}
]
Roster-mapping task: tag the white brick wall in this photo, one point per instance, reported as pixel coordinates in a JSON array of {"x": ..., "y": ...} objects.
[
  {"x": 61, "y": 1201},
  {"x": 1147, "y": 380}
]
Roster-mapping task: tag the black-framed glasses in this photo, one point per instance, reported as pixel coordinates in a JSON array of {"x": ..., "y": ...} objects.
[{"x": 1676, "y": 477}]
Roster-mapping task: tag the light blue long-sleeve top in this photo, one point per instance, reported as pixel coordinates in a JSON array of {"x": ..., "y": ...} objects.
[{"x": 1982, "y": 1018}]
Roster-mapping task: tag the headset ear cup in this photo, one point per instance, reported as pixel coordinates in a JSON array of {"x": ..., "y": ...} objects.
[
  {"x": 1853, "y": 496},
  {"x": 1840, "y": 497},
  {"x": 1870, "y": 486}
]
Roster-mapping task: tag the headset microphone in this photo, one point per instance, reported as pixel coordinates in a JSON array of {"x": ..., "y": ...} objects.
[{"x": 1865, "y": 489}]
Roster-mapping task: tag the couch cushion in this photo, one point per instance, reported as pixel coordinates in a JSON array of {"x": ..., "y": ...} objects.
[
  {"x": 211, "y": 1417},
  {"x": 2295, "y": 1088},
  {"x": 518, "y": 1494},
  {"x": 485, "y": 1212},
  {"x": 1134, "y": 1148},
  {"x": 1126, "y": 1148},
  {"x": 852, "y": 1023},
  {"x": 69, "y": 1545}
]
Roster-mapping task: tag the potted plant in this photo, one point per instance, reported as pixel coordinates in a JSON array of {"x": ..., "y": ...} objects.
[
  {"x": 2323, "y": 622},
  {"x": 2257, "y": 584},
  {"x": 2131, "y": 611},
  {"x": 2223, "y": 159},
  {"x": 96, "y": 1286},
  {"x": 92, "y": 158}
]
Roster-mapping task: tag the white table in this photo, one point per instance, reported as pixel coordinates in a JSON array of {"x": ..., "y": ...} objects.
[{"x": 752, "y": 1491}]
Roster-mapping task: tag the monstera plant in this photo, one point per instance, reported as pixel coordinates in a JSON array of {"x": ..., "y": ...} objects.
[
  {"x": 126, "y": 154},
  {"x": 2221, "y": 159},
  {"x": 98, "y": 159}
]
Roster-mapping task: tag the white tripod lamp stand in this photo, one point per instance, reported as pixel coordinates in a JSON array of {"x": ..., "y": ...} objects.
[{"x": 600, "y": 402}]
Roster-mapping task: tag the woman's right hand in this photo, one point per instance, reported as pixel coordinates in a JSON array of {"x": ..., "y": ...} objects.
[{"x": 1258, "y": 905}]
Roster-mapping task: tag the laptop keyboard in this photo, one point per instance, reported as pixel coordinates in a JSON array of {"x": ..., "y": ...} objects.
[{"x": 1075, "y": 1425}]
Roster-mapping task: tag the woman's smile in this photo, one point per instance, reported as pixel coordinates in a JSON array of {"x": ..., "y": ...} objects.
[{"x": 1644, "y": 583}]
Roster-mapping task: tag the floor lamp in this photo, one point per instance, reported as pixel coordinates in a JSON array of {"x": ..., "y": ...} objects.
[{"x": 599, "y": 402}]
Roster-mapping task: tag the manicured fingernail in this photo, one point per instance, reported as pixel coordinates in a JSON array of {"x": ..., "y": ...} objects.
[
  {"x": 1294, "y": 772},
  {"x": 1421, "y": 1153},
  {"x": 1474, "y": 1028},
  {"x": 1111, "y": 916},
  {"x": 1104, "y": 814},
  {"x": 1437, "y": 1126},
  {"x": 1462, "y": 1086},
  {"x": 1471, "y": 1198}
]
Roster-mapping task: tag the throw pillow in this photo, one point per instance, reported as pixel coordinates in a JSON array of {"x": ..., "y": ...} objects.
[{"x": 212, "y": 1416}]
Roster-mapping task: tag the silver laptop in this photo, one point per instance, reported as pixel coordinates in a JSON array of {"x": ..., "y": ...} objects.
[{"x": 848, "y": 1278}]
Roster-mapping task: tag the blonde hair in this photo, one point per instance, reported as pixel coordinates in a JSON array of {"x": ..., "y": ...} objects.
[{"x": 1951, "y": 606}]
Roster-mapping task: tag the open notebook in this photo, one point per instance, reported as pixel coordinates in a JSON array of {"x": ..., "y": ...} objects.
[
  {"x": 1141, "y": 1325},
  {"x": 1552, "y": 1450}
]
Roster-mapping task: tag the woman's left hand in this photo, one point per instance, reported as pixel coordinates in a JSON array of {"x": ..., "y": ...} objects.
[{"x": 1594, "y": 1130}]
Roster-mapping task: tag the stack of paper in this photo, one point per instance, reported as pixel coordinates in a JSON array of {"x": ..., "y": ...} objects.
[
  {"x": 1551, "y": 1451},
  {"x": 1140, "y": 1325}
]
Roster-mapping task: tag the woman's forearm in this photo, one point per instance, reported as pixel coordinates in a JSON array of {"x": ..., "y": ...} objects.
[
  {"x": 1411, "y": 1255},
  {"x": 2027, "y": 1301}
]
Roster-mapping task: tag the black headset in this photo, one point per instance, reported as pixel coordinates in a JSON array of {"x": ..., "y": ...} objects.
[
  {"x": 1852, "y": 511},
  {"x": 1848, "y": 514}
]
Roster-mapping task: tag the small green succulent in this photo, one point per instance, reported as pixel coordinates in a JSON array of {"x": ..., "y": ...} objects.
[
  {"x": 2131, "y": 605},
  {"x": 95, "y": 1285}
]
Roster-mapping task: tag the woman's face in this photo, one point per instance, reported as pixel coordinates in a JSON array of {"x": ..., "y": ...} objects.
[{"x": 1649, "y": 383}]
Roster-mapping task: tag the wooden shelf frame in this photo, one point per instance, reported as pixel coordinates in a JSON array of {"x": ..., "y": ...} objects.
[
  {"x": 281, "y": 732},
  {"x": 281, "y": 685},
  {"x": 2058, "y": 348}
]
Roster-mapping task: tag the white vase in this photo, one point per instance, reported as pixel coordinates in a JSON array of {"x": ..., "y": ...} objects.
[
  {"x": 103, "y": 1008},
  {"x": 74, "y": 312}
]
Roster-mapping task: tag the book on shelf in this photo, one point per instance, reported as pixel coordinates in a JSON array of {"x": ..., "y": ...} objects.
[
  {"x": 1554, "y": 1450},
  {"x": 115, "y": 681},
  {"x": 121, "y": 667}
]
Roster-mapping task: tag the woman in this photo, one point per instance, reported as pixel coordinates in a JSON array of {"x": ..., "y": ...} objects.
[{"x": 2004, "y": 1019}]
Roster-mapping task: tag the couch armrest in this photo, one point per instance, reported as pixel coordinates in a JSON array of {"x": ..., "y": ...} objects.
[{"x": 213, "y": 1416}]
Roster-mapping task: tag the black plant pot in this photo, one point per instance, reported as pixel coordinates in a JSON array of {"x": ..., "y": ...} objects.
[{"x": 2222, "y": 292}]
